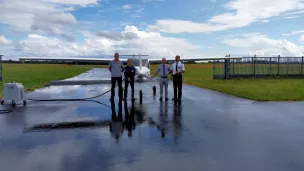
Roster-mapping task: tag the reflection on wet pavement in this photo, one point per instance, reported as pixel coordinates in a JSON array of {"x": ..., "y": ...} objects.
[{"x": 207, "y": 131}]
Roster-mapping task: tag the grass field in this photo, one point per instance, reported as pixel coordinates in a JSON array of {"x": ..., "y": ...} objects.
[
  {"x": 256, "y": 89},
  {"x": 34, "y": 76}
]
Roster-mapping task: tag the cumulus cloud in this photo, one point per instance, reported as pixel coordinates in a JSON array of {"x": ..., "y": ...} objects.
[
  {"x": 294, "y": 32},
  {"x": 126, "y": 7},
  {"x": 4, "y": 41},
  {"x": 264, "y": 46},
  {"x": 302, "y": 38},
  {"x": 152, "y": 43},
  {"x": 117, "y": 35},
  {"x": 46, "y": 16},
  {"x": 129, "y": 41},
  {"x": 73, "y": 2},
  {"x": 242, "y": 14}
]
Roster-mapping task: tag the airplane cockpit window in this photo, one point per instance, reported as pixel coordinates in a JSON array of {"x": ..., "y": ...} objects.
[{"x": 145, "y": 62}]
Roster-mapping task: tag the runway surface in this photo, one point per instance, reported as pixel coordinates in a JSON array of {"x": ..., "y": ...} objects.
[{"x": 208, "y": 131}]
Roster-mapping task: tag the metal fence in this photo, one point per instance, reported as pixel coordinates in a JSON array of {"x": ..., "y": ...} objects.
[{"x": 259, "y": 67}]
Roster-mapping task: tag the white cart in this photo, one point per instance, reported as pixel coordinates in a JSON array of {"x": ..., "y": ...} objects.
[{"x": 14, "y": 94}]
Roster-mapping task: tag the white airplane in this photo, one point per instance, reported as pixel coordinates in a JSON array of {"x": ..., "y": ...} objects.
[{"x": 142, "y": 66}]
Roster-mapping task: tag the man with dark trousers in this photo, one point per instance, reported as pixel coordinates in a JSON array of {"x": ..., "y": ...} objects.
[
  {"x": 116, "y": 69},
  {"x": 129, "y": 79},
  {"x": 177, "y": 69}
]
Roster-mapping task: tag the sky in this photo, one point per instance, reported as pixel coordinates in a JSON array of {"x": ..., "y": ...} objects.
[{"x": 160, "y": 28}]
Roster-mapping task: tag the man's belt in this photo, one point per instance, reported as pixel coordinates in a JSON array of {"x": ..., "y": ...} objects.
[{"x": 164, "y": 77}]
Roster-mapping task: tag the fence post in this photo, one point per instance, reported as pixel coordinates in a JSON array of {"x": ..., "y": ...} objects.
[
  {"x": 287, "y": 66},
  {"x": 278, "y": 65},
  {"x": 253, "y": 60},
  {"x": 227, "y": 70},
  {"x": 302, "y": 66},
  {"x": 1, "y": 71},
  {"x": 213, "y": 69},
  {"x": 233, "y": 66},
  {"x": 270, "y": 61}
]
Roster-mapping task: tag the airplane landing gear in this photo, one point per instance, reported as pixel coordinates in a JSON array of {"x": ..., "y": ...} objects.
[
  {"x": 140, "y": 96},
  {"x": 154, "y": 90}
]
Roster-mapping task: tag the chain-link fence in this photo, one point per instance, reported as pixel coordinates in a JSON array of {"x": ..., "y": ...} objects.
[{"x": 258, "y": 67}]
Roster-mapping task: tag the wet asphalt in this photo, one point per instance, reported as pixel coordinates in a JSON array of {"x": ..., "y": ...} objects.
[{"x": 207, "y": 131}]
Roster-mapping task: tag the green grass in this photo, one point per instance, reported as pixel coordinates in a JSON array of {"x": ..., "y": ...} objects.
[
  {"x": 34, "y": 76},
  {"x": 266, "y": 89}
]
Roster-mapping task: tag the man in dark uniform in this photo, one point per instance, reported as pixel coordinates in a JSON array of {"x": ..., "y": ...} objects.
[{"x": 129, "y": 78}]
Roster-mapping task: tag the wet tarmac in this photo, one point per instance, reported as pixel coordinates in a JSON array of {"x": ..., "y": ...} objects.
[{"x": 208, "y": 131}]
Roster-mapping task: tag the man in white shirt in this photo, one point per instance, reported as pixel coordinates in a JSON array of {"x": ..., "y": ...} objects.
[
  {"x": 117, "y": 126},
  {"x": 177, "y": 69}
]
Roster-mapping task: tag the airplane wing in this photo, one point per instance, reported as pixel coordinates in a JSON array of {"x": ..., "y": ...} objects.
[
  {"x": 192, "y": 59},
  {"x": 69, "y": 59}
]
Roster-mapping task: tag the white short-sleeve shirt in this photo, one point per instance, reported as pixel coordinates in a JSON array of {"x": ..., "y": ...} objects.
[{"x": 180, "y": 67}]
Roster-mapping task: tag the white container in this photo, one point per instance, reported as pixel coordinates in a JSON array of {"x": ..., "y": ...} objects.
[{"x": 13, "y": 93}]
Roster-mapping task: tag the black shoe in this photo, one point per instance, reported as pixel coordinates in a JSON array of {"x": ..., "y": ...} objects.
[
  {"x": 161, "y": 98},
  {"x": 166, "y": 98}
]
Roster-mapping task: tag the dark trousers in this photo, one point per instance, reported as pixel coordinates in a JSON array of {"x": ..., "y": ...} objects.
[
  {"x": 177, "y": 86},
  {"x": 113, "y": 82},
  {"x": 127, "y": 82},
  {"x": 114, "y": 116}
]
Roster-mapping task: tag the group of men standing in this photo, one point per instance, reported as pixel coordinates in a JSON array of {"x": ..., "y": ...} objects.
[{"x": 176, "y": 69}]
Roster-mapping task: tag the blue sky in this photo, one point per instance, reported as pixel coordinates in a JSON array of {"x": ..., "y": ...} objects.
[{"x": 162, "y": 28}]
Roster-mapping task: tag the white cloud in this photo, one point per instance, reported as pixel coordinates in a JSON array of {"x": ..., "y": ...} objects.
[
  {"x": 126, "y": 7},
  {"x": 291, "y": 17},
  {"x": 153, "y": 0},
  {"x": 243, "y": 13},
  {"x": 117, "y": 35},
  {"x": 4, "y": 41},
  {"x": 302, "y": 38},
  {"x": 140, "y": 10},
  {"x": 264, "y": 46},
  {"x": 294, "y": 32},
  {"x": 73, "y": 2},
  {"x": 41, "y": 16},
  {"x": 106, "y": 43},
  {"x": 141, "y": 34},
  {"x": 56, "y": 153}
]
